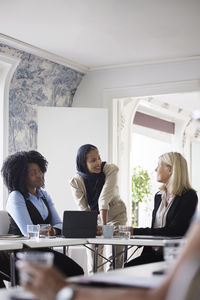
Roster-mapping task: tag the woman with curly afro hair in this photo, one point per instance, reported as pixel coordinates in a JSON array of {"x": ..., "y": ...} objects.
[{"x": 28, "y": 203}]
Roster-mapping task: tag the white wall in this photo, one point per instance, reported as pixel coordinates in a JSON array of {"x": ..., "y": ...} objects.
[
  {"x": 196, "y": 168},
  {"x": 61, "y": 131},
  {"x": 1, "y": 134},
  {"x": 93, "y": 86}
]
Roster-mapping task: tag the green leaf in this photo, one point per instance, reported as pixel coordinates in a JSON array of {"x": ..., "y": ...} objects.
[{"x": 141, "y": 190}]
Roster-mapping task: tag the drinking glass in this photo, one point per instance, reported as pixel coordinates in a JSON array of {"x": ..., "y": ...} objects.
[
  {"x": 171, "y": 250},
  {"x": 33, "y": 231},
  {"x": 45, "y": 258},
  {"x": 124, "y": 231},
  {"x": 34, "y": 257}
]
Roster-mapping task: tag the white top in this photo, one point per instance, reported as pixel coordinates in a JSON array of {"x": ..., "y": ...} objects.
[{"x": 160, "y": 220}]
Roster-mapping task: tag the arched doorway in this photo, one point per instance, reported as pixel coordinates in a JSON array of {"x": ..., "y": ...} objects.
[{"x": 121, "y": 111}]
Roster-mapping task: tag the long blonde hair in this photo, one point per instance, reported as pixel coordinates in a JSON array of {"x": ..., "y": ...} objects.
[{"x": 179, "y": 180}]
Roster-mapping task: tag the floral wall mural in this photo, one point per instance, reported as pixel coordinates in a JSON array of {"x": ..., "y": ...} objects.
[{"x": 36, "y": 82}]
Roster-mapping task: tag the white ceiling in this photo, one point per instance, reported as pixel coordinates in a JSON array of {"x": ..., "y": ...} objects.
[{"x": 98, "y": 33}]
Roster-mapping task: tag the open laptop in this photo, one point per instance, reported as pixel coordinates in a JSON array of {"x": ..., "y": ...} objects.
[{"x": 79, "y": 224}]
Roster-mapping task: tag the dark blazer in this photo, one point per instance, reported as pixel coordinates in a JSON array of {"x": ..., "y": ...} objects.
[{"x": 178, "y": 217}]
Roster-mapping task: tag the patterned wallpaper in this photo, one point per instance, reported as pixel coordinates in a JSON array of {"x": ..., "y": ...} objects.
[{"x": 36, "y": 82}]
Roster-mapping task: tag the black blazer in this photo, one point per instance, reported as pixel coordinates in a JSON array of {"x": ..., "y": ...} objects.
[{"x": 178, "y": 217}]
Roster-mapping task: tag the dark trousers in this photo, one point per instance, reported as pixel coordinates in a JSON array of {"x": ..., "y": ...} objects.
[
  {"x": 148, "y": 255},
  {"x": 67, "y": 266},
  {"x": 63, "y": 263},
  {"x": 4, "y": 270}
]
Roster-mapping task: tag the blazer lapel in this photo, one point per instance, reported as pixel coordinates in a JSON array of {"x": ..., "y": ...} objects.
[{"x": 158, "y": 200}]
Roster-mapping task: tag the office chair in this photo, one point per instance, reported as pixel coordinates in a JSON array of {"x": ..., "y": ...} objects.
[
  {"x": 4, "y": 228},
  {"x": 4, "y": 222}
]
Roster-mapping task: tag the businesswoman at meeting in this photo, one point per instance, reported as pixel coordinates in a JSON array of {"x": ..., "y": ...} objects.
[
  {"x": 28, "y": 203},
  {"x": 94, "y": 187},
  {"x": 174, "y": 205}
]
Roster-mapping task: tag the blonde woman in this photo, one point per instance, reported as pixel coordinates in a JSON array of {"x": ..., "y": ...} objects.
[{"x": 174, "y": 205}]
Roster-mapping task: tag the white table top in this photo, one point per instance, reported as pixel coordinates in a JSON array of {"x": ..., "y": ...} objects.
[
  {"x": 133, "y": 276},
  {"x": 15, "y": 244},
  {"x": 129, "y": 242},
  {"x": 145, "y": 270},
  {"x": 137, "y": 275},
  {"x": 10, "y": 245},
  {"x": 53, "y": 242}
]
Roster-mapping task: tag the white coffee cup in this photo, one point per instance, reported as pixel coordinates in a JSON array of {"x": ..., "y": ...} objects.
[{"x": 108, "y": 231}]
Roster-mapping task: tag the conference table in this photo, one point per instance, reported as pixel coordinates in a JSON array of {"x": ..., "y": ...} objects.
[
  {"x": 138, "y": 276},
  {"x": 22, "y": 243},
  {"x": 54, "y": 242},
  {"x": 138, "y": 241},
  {"x": 127, "y": 243},
  {"x": 11, "y": 246}
]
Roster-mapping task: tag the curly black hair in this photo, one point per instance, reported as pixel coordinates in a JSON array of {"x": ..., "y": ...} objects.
[{"x": 15, "y": 169}]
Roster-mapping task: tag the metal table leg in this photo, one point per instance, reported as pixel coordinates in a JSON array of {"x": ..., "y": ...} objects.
[
  {"x": 125, "y": 253},
  {"x": 95, "y": 266},
  {"x": 12, "y": 269},
  {"x": 114, "y": 256}
]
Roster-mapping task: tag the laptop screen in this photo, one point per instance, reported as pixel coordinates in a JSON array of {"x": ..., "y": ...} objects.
[{"x": 79, "y": 224}]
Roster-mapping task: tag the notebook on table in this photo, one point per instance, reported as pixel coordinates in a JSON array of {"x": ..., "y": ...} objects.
[{"x": 79, "y": 224}]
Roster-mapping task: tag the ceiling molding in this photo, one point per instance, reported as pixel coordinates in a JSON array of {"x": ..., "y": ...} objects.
[
  {"x": 76, "y": 66},
  {"x": 42, "y": 53},
  {"x": 142, "y": 63}
]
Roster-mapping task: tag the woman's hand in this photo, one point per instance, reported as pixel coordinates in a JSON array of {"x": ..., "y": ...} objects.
[
  {"x": 99, "y": 230},
  {"x": 45, "y": 282},
  {"x": 51, "y": 231},
  {"x": 131, "y": 230}
]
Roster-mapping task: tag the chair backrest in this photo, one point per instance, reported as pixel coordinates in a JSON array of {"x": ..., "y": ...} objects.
[
  {"x": 186, "y": 284},
  {"x": 4, "y": 222}
]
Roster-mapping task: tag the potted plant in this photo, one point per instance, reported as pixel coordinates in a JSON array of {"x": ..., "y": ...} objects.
[{"x": 141, "y": 191}]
